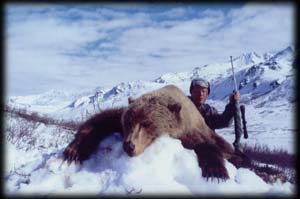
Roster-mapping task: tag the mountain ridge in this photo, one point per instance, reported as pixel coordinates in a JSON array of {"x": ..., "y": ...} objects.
[{"x": 257, "y": 75}]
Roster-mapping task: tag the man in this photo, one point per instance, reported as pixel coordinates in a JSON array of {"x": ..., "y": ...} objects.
[{"x": 200, "y": 90}]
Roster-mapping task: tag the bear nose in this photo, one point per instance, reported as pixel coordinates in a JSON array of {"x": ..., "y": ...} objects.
[{"x": 129, "y": 148}]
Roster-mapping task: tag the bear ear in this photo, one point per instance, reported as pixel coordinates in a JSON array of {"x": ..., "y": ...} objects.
[
  {"x": 176, "y": 107},
  {"x": 130, "y": 100}
]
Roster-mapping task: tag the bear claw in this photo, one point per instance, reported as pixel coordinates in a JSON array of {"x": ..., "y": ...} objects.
[
  {"x": 71, "y": 154},
  {"x": 219, "y": 173}
]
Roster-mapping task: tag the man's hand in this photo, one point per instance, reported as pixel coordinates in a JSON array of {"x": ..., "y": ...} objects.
[{"x": 235, "y": 96}]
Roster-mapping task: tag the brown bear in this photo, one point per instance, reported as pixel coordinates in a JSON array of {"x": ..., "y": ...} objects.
[{"x": 166, "y": 110}]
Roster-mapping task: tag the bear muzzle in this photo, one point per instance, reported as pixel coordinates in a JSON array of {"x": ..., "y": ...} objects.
[{"x": 129, "y": 148}]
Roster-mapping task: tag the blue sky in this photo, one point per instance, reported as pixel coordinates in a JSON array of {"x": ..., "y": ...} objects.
[{"x": 73, "y": 47}]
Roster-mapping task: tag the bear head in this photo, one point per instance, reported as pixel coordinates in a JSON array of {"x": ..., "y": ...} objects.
[{"x": 145, "y": 119}]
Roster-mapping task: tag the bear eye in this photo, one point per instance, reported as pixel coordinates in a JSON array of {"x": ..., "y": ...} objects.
[{"x": 145, "y": 124}]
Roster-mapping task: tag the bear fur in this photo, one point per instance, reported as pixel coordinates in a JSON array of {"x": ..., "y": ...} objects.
[{"x": 163, "y": 111}]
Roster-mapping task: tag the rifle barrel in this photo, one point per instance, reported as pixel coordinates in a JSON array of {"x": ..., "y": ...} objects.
[{"x": 234, "y": 79}]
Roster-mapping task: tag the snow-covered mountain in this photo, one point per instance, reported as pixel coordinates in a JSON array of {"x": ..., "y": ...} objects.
[
  {"x": 257, "y": 75},
  {"x": 266, "y": 84},
  {"x": 248, "y": 59},
  {"x": 256, "y": 80}
]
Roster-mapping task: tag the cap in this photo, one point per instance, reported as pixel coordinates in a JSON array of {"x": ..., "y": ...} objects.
[{"x": 200, "y": 82}]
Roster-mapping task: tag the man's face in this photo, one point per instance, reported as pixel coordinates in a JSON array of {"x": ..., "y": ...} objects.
[{"x": 199, "y": 94}]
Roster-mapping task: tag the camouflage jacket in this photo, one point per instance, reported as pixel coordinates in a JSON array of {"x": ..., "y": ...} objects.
[{"x": 215, "y": 120}]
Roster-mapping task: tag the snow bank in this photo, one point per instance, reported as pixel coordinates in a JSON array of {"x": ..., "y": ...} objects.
[{"x": 164, "y": 168}]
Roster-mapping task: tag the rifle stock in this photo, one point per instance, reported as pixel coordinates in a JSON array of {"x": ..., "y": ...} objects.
[
  {"x": 237, "y": 116},
  {"x": 242, "y": 107},
  {"x": 237, "y": 126}
]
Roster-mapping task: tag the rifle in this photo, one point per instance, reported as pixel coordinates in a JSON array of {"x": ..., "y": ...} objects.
[{"x": 237, "y": 117}]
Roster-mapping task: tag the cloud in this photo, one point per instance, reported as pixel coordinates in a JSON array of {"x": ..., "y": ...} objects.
[
  {"x": 91, "y": 45},
  {"x": 173, "y": 13},
  {"x": 260, "y": 28},
  {"x": 212, "y": 13}
]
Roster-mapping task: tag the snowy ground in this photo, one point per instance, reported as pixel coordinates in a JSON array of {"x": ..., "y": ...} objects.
[{"x": 164, "y": 168}]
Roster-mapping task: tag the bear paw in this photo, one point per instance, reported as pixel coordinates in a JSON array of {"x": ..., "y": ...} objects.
[
  {"x": 72, "y": 153},
  {"x": 213, "y": 171}
]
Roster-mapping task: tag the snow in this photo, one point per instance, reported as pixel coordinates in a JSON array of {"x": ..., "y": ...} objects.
[
  {"x": 34, "y": 164},
  {"x": 161, "y": 169}
]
